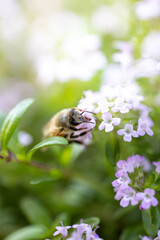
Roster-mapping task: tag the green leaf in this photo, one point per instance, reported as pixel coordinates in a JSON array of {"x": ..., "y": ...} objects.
[
  {"x": 92, "y": 221},
  {"x": 150, "y": 180},
  {"x": 42, "y": 180},
  {"x": 47, "y": 143},
  {"x": 112, "y": 150},
  {"x": 55, "y": 174},
  {"x": 131, "y": 233},
  {"x": 12, "y": 120},
  {"x": 28, "y": 233},
  {"x": 2, "y": 117},
  {"x": 151, "y": 221},
  {"x": 35, "y": 212}
]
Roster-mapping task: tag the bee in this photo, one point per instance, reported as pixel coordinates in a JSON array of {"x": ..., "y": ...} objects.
[{"x": 66, "y": 124}]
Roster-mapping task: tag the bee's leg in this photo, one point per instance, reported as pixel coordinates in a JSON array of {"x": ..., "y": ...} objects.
[
  {"x": 76, "y": 129},
  {"x": 79, "y": 135}
]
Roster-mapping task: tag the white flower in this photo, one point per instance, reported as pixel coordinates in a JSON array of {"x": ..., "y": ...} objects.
[
  {"x": 120, "y": 105},
  {"x": 25, "y": 138},
  {"x": 147, "y": 9},
  {"x": 128, "y": 133},
  {"x": 108, "y": 122},
  {"x": 144, "y": 127},
  {"x": 151, "y": 44}
]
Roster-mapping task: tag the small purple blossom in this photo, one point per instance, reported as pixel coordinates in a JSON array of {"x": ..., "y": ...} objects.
[
  {"x": 108, "y": 122},
  {"x": 144, "y": 127},
  {"x": 62, "y": 230},
  {"x": 145, "y": 238},
  {"x": 147, "y": 198},
  {"x": 127, "y": 195},
  {"x": 75, "y": 236},
  {"x": 82, "y": 227},
  {"x": 133, "y": 162},
  {"x": 157, "y": 164},
  {"x": 128, "y": 133},
  {"x": 158, "y": 237},
  {"x": 122, "y": 181}
]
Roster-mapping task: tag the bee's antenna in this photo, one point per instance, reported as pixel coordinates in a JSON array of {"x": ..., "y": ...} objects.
[
  {"x": 89, "y": 122},
  {"x": 82, "y": 112},
  {"x": 88, "y": 112}
]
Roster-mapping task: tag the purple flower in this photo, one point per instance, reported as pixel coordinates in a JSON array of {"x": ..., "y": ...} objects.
[
  {"x": 108, "y": 122},
  {"x": 75, "y": 236},
  {"x": 128, "y": 133},
  {"x": 122, "y": 165},
  {"x": 82, "y": 227},
  {"x": 157, "y": 164},
  {"x": 147, "y": 198},
  {"x": 158, "y": 237},
  {"x": 127, "y": 195},
  {"x": 122, "y": 181},
  {"x": 146, "y": 165},
  {"x": 144, "y": 127},
  {"x": 93, "y": 236},
  {"x": 133, "y": 162},
  {"x": 62, "y": 230},
  {"x": 145, "y": 238},
  {"x": 120, "y": 105}
]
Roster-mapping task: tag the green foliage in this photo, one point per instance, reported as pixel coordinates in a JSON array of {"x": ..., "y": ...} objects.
[
  {"x": 151, "y": 221},
  {"x": 12, "y": 120},
  {"x": 47, "y": 143},
  {"x": 112, "y": 149},
  {"x": 93, "y": 221},
  {"x": 35, "y": 212},
  {"x": 131, "y": 233},
  {"x": 34, "y": 232}
]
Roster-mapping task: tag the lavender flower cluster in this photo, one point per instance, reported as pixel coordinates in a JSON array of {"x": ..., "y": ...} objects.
[
  {"x": 113, "y": 103},
  {"x": 81, "y": 231},
  {"x": 129, "y": 185}
]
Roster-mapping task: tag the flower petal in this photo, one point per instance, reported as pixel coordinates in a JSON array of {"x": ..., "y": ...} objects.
[
  {"x": 127, "y": 138},
  {"x": 116, "y": 121},
  {"x": 121, "y": 132}
]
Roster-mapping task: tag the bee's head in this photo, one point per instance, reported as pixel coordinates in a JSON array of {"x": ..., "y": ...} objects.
[{"x": 77, "y": 117}]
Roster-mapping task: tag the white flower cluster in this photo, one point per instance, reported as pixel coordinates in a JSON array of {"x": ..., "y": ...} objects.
[{"x": 115, "y": 101}]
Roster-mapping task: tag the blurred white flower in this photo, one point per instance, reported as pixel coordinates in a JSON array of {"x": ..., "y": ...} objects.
[
  {"x": 150, "y": 47},
  {"x": 64, "y": 50},
  {"x": 12, "y": 20},
  {"x": 125, "y": 56},
  {"x": 115, "y": 74},
  {"x": 25, "y": 138},
  {"x": 147, "y": 9},
  {"x": 112, "y": 20},
  {"x": 145, "y": 68}
]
